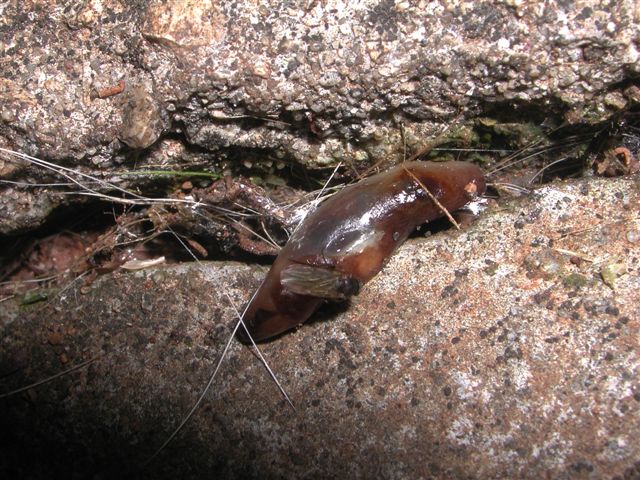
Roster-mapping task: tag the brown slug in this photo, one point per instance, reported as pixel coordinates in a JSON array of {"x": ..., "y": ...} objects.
[{"x": 348, "y": 239}]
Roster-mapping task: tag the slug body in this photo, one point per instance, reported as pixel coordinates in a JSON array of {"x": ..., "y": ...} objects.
[{"x": 348, "y": 239}]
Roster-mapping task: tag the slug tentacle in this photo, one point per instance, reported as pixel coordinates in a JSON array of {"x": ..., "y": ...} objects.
[{"x": 350, "y": 236}]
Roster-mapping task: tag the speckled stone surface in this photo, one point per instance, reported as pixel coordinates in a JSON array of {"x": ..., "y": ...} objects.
[
  {"x": 310, "y": 82},
  {"x": 507, "y": 350}
]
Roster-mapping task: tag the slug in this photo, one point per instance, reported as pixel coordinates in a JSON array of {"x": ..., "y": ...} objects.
[{"x": 348, "y": 239}]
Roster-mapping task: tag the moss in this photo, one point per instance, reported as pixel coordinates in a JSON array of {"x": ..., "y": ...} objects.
[
  {"x": 34, "y": 296},
  {"x": 491, "y": 269},
  {"x": 610, "y": 272},
  {"x": 575, "y": 280},
  {"x": 515, "y": 134}
]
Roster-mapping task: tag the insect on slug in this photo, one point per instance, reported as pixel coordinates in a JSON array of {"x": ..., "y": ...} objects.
[{"x": 348, "y": 239}]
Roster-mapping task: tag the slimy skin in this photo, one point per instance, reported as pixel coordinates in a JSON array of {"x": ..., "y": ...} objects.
[{"x": 349, "y": 238}]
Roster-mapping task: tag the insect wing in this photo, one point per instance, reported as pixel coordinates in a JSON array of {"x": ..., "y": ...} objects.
[{"x": 318, "y": 282}]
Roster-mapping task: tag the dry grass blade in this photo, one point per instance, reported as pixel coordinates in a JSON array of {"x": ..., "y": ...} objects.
[
  {"x": 198, "y": 402},
  {"x": 510, "y": 187},
  {"x": 264, "y": 361},
  {"x": 49, "y": 379},
  {"x": 84, "y": 180},
  {"x": 542, "y": 170},
  {"x": 215, "y": 373},
  {"x": 433, "y": 198}
]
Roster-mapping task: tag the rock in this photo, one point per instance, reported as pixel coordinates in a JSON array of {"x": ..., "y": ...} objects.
[
  {"x": 459, "y": 360},
  {"x": 142, "y": 124},
  {"x": 314, "y": 84}
]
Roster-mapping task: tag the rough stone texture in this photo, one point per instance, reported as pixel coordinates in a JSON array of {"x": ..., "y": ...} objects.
[
  {"x": 495, "y": 352},
  {"x": 311, "y": 82}
]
